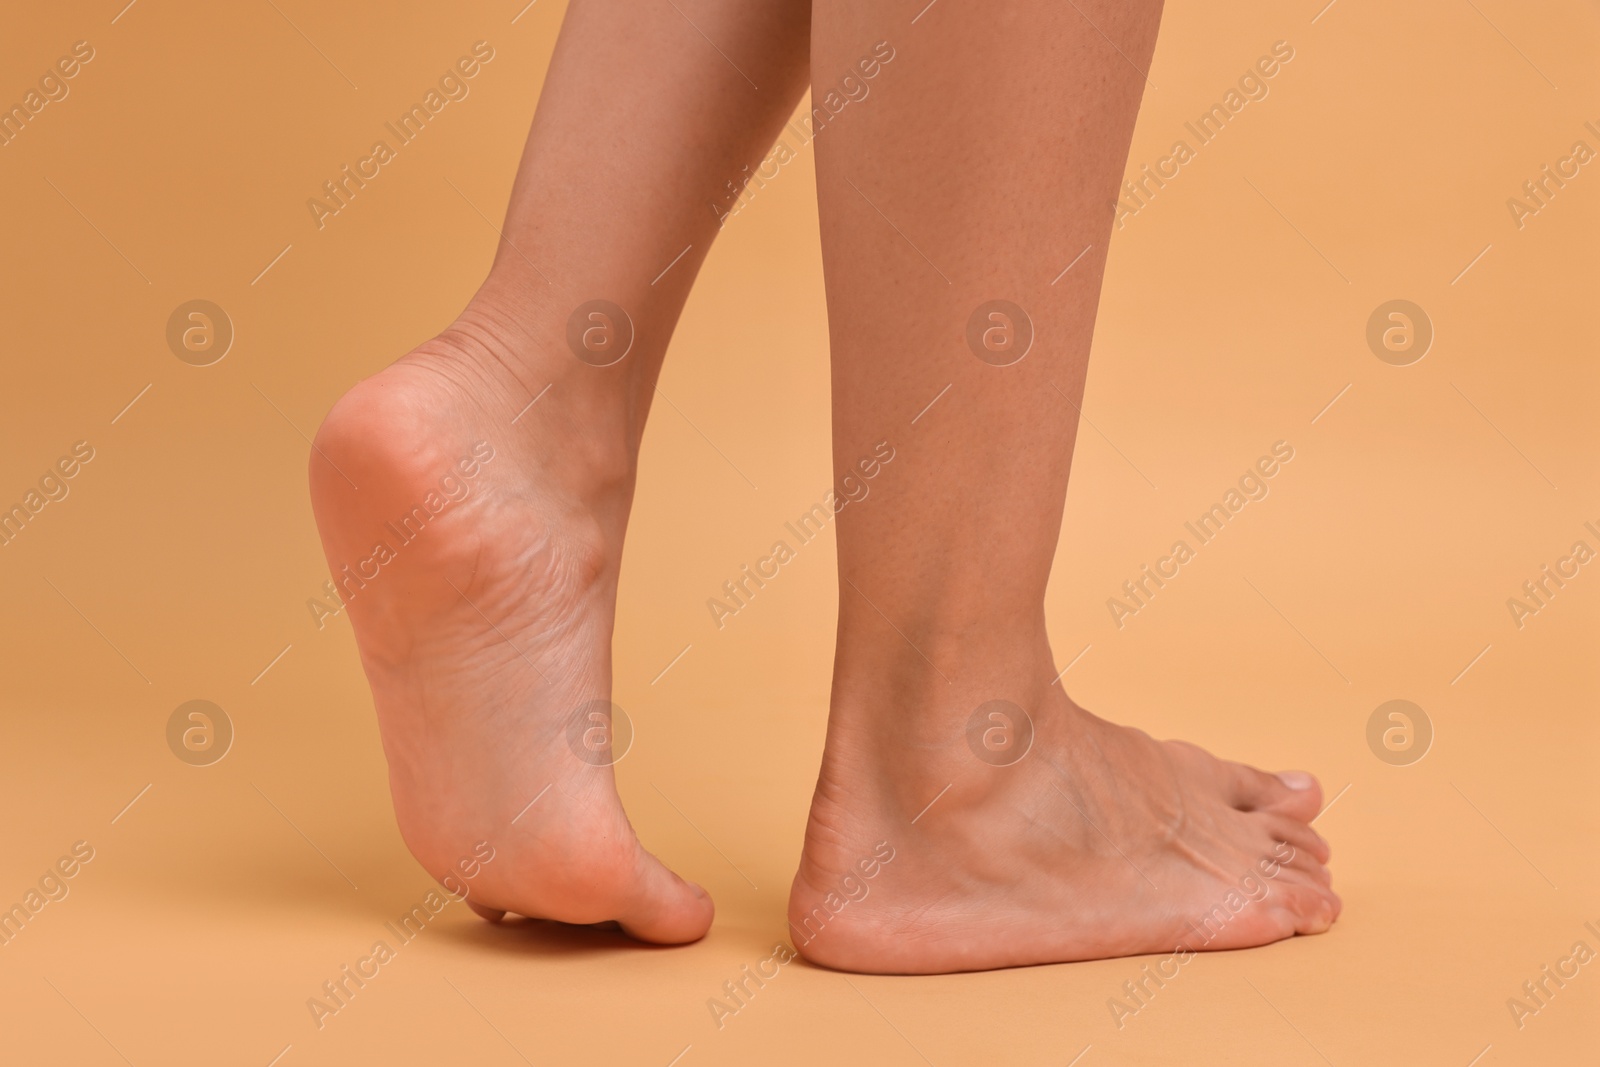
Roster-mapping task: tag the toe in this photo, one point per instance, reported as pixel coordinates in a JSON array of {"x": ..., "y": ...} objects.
[
  {"x": 1307, "y": 864},
  {"x": 1300, "y": 836},
  {"x": 494, "y": 915},
  {"x": 1312, "y": 908},
  {"x": 1292, "y": 793},
  {"x": 664, "y": 908}
]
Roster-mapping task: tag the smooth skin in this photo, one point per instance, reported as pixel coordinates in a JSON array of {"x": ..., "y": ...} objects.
[{"x": 994, "y": 141}]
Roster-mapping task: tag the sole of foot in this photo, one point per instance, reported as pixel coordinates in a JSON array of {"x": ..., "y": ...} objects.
[{"x": 478, "y": 562}]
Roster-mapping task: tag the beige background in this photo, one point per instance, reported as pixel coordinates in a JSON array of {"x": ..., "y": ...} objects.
[{"x": 1234, "y": 311}]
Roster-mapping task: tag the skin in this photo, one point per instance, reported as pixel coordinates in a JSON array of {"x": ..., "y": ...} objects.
[
  {"x": 482, "y": 637},
  {"x": 995, "y": 143}
]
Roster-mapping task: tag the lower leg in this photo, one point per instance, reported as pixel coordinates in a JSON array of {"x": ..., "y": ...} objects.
[
  {"x": 988, "y": 164},
  {"x": 472, "y": 498}
]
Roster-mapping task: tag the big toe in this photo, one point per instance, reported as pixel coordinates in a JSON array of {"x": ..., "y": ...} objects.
[
  {"x": 1293, "y": 793},
  {"x": 663, "y": 908}
]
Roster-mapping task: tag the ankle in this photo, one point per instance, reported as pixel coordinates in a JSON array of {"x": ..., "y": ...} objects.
[
  {"x": 942, "y": 709},
  {"x": 580, "y": 424},
  {"x": 938, "y": 668}
]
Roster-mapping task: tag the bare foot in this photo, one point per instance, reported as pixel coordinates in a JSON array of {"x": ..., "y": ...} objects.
[
  {"x": 926, "y": 853},
  {"x": 482, "y": 565}
]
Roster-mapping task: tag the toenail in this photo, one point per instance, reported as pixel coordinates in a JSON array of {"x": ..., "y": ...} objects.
[{"x": 1296, "y": 779}]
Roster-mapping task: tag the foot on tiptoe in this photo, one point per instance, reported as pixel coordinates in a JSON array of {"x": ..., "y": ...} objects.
[{"x": 478, "y": 559}]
